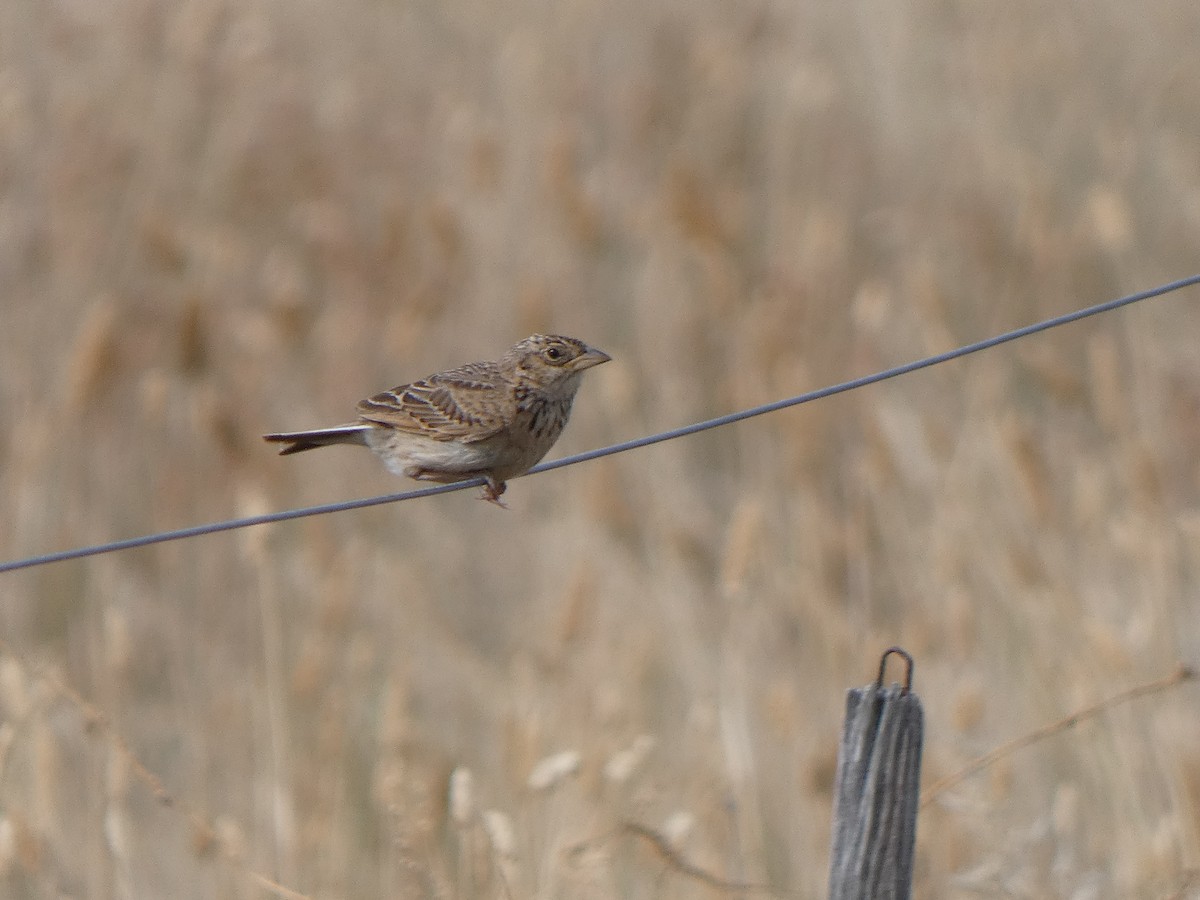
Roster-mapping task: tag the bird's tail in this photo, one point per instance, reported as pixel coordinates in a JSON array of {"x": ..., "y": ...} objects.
[{"x": 298, "y": 441}]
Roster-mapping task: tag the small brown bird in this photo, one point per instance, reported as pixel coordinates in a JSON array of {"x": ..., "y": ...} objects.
[{"x": 491, "y": 420}]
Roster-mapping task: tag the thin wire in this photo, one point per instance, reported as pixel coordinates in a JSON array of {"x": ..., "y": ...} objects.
[{"x": 853, "y": 384}]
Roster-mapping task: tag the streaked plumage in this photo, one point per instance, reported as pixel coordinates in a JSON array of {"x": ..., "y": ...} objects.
[{"x": 493, "y": 420}]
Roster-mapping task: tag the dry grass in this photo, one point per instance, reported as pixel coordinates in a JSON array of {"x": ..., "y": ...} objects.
[{"x": 221, "y": 219}]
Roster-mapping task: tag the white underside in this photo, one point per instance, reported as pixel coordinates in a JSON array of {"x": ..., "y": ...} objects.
[{"x": 406, "y": 454}]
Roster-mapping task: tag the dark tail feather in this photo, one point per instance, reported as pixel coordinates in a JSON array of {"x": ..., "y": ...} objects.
[{"x": 299, "y": 441}]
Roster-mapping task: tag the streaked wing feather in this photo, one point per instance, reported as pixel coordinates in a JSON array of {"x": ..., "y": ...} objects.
[{"x": 463, "y": 404}]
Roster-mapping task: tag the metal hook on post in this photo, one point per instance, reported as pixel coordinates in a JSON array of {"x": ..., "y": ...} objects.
[{"x": 908, "y": 661}]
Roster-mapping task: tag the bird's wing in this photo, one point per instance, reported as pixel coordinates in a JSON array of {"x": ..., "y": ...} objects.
[{"x": 464, "y": 404}]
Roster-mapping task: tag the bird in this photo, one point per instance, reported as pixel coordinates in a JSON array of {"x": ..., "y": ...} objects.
[{"x": 490, "y": 420}]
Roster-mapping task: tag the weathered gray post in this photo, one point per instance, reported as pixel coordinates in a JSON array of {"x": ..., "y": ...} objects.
[{"x": 877, "y": 789}]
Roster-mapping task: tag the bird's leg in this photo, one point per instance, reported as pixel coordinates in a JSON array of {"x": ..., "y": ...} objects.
[{"x": 492, "y": 491}]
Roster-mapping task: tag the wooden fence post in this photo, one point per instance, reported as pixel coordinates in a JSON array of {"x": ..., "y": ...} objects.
[{"x": 877, "y": 791}]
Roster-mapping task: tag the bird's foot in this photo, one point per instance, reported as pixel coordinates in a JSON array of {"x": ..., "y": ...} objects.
[{"x": 492, "y": 491}]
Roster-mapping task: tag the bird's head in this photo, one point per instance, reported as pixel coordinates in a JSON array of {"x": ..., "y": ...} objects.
[{"x": 550, "y": 360}]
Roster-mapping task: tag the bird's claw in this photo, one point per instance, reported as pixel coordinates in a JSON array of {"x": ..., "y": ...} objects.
[{"x": 492, "y": 491}]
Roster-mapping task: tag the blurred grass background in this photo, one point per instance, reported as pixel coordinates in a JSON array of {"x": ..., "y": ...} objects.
[{"x": 221, "y": 219}]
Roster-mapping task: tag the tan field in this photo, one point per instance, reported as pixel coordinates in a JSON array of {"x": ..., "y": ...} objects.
[{"x": 221, "y": 219}]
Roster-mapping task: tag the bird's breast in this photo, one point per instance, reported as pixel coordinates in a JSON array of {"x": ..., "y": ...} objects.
[{"x": 541, "y": 418}]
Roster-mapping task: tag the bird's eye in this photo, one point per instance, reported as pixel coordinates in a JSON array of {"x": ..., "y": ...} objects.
[{"x": 553, "y": 353}]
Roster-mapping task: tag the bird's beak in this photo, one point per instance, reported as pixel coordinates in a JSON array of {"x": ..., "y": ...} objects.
[{"x": 591, "y": 357}]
